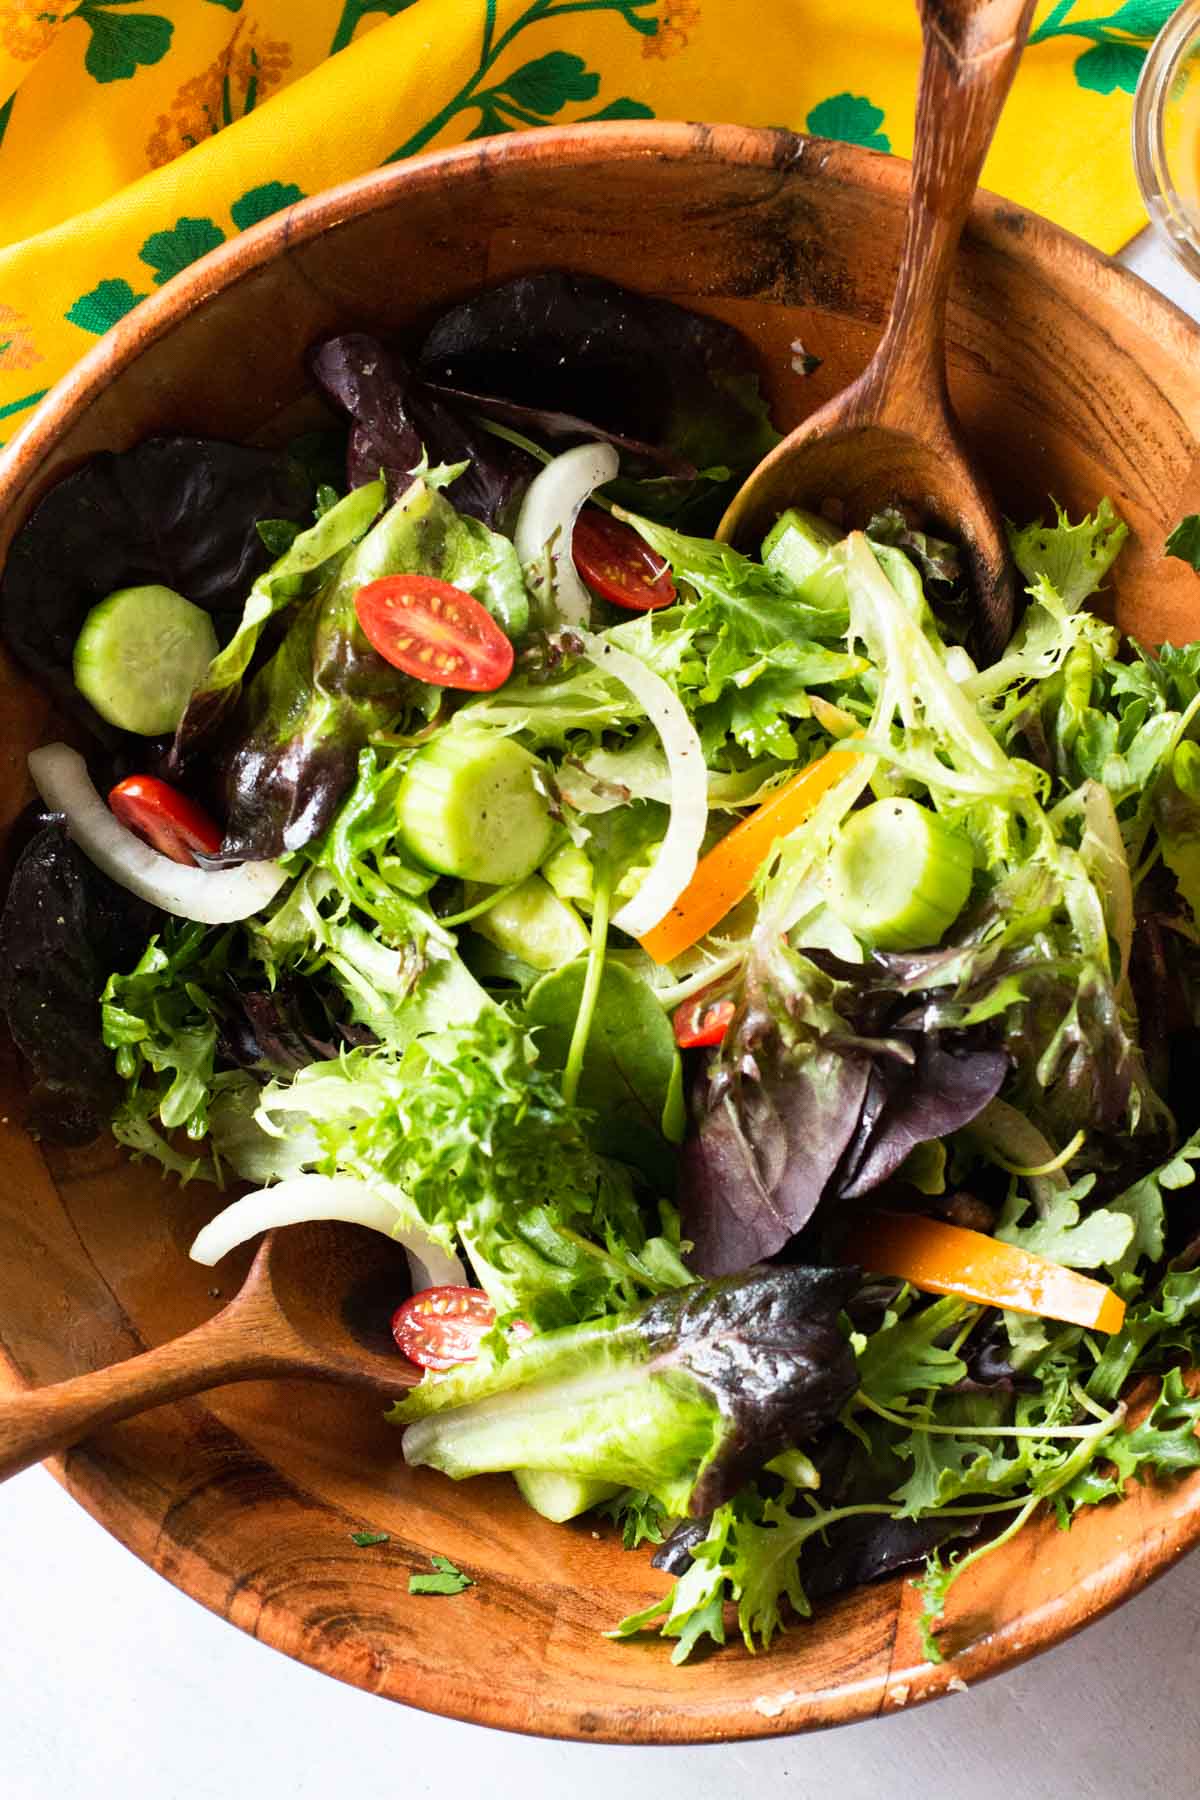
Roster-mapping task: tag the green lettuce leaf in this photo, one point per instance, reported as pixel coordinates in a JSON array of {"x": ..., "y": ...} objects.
[
  {"x": 678, "y": 1399},
  {"x": 1071, "y": 559},
  {"x": 306, "y": 558},
  {"x": 292, "y": 752}
]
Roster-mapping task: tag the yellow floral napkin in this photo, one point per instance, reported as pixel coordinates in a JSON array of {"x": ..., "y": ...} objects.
[{"x": 137, "y": 134}]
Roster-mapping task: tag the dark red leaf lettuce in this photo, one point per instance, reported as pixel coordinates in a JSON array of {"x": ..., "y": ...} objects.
[
  {"x": 813, "y": 1094},
  {"x": 177, "y": 510},
  {"x": 395, "y": 420},
  {"x": 65, "y": 927},
  {"x": 766, "y": 1344},
  {"x": 638, "y": 367}
]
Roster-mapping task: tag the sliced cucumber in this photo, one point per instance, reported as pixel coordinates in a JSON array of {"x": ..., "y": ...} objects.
[
  {"x": 561, "y": 1497},
  {"x": 140, "y": 654},
  {"x": 534, "y": 924},
  {"x": 468, "y": 806},
  {"x": 570, "y": 874},
  {"x": 797, "y": 543},
  {"x": 899, "y": 875}
]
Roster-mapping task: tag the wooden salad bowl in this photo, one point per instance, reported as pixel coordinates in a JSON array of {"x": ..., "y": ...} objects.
[{"x": 1072, "y": 379}]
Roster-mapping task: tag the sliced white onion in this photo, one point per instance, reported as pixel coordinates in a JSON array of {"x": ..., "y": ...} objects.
[
  {"x": 210, "y": 896},
  {"x": 547, "y": 523},
  {"x": 675, "y": 862},
  {"x": 303, "y": 1198},
  {"x": 959, "y": 665}
]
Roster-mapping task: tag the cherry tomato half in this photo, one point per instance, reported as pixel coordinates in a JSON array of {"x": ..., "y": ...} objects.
[
  {"x": 619, "y": 565},
  {"x": 434, "y": 631},
  {"x": 699, "y": 1022},
  {"x": 443, "y": 1326},
  {"x": 170, "y": 822}
]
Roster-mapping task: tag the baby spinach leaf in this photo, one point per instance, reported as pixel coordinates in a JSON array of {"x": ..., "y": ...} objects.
[{"x": 631, "y": 1061}]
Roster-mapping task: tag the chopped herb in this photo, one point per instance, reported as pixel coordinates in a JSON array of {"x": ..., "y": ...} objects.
[
  {"x": 446, "y": 1579},
  {"x": 364, "y": 1539},
  {"x": 278, "y": 534}
]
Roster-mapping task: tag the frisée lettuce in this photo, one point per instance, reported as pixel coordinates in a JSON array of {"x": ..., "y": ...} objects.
[{"x": 667, "y": 1098}]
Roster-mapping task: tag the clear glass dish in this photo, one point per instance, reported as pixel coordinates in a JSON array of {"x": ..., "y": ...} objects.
[{"x": 1166, "y": 133}]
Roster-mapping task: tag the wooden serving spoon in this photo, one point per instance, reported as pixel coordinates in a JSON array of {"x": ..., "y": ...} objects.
[
  {"x": 316, "y": 1303},
  {"x": 891, "y": 436}
]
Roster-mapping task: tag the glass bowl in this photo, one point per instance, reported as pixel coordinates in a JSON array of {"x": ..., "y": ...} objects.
[{"x": 1166, "y": 133}]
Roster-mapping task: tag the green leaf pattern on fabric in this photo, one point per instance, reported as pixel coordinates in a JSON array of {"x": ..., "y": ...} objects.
[
  {"x": 107, "y": 302},
  {"x": 1118, "y": 41},
  {"x": 122, "y": 41},
  {"x": 534, "y": 93},
  {"x": 260, "y": 202},
  {"x": 850, "y": 118},
  {"x": 167, "y": 252}
]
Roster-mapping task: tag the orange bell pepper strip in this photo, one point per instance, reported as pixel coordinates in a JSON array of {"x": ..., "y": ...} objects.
[
  {"x": 726, "y": 874},
  {"x": 946, "y": 1259}
]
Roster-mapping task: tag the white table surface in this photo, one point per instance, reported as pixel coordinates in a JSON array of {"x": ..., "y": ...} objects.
[{"x": 112, "y": 1684}]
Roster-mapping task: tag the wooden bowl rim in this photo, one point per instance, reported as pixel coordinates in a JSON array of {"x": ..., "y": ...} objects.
[{"x": 1031, "y": 240}]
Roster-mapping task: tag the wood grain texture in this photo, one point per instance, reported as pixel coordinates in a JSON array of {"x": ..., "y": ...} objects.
[
  {"x": 315, "y": 1305},
  {"x": 1070, "y": 378},
  {"x": 891, "y": 436}
]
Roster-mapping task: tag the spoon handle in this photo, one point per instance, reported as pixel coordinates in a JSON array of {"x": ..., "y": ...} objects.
[
  {"x": 969, "y": 57},
  {"x": 36, "y": 1423}
]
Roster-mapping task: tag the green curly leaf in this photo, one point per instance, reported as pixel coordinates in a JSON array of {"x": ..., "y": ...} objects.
[
  {"x": 260, "y": 202},
  {"x": 851, "y": 118},
  {"x": 546, "y": 85},
  {"x": 121, "y": 42},
  {"x": 99, "y": 310},
  {"x": 1110, "y": 68},
  {"x": 167, "y": 252}
]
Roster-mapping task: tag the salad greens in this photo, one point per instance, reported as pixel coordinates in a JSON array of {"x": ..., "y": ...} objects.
[
  {"x": 654, "y": 1165},
  {"x": 445, "y": 1578}
]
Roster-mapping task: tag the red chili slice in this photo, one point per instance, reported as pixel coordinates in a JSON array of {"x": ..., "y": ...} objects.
[
  {"x": 700, "y": 1022},
  {"x": 443, "y": 1326},
  {"x": 619, "y": 565},
  {"x": 170, "y": 822},
  {"x": 435, "y": 631}
]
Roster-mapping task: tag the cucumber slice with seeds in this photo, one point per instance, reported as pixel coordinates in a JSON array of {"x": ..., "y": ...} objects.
[
  {"x": 139, "y": 655},
  {"x": 899, "y": 875},
  {"x": 468, "y": 806}
]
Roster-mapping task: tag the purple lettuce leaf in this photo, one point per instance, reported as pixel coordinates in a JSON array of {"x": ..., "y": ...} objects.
[
  {"x": 815, "y": 1094},
  {"x": 940, "y": 1092},
  {"x": 395, "y": 419},
  {"x": 641, "y": 368},
  {"x": 175, "y": 510},
  {"x": 64, "y": 928}
]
